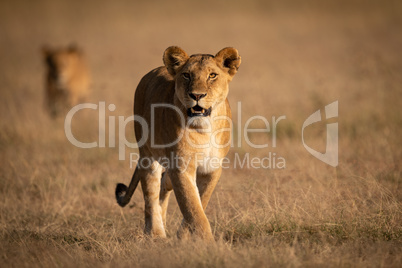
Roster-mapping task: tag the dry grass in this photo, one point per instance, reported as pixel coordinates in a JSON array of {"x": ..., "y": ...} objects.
[{"x": 56, "y": 201}]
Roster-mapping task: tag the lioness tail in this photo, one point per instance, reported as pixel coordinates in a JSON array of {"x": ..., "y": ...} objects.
[{"x": 124, "y": 193}]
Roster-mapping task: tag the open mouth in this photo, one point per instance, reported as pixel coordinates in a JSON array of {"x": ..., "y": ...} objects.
[{"x": 198, "y": 111}]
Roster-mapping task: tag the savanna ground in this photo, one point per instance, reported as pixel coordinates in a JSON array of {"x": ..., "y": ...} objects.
[{"x": 57, "y": 205}]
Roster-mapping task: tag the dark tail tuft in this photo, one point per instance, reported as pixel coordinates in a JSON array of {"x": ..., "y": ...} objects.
[{"x": 121, "y": 191}]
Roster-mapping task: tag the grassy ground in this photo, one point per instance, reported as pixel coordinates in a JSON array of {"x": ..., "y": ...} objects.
[{"x": 57, "y": 205}]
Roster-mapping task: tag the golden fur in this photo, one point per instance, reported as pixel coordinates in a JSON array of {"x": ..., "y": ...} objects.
[
  {"x": 67, "y": 78},
  {"x": 196, "y": 130}
]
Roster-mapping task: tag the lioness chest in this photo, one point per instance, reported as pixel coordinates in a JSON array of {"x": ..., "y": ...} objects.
[{"x": 205, "y": 150}]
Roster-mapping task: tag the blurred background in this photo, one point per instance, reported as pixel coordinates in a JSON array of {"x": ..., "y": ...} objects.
[{"x": 297, "y": 57}]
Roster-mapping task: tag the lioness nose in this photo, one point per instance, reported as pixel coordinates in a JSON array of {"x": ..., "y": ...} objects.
[{"x": 197, "y": 97}]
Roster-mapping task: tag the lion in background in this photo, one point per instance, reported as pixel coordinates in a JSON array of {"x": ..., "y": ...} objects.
[
  {"x": 67, "y": 78},
  {"x": 192, "y": 124}
]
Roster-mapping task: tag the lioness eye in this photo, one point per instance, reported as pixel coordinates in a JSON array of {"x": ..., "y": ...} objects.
[
  {"x": 212, "y": 75},
  {"x": 186, "y": 75}
]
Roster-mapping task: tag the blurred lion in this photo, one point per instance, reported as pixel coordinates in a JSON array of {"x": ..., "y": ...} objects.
[{"x": 67, "y": 78}]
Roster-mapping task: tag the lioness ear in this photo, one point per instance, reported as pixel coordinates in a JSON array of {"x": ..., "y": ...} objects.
[
  {"x": 174, "y": 58},
  {"x": 229, "y": 58}
]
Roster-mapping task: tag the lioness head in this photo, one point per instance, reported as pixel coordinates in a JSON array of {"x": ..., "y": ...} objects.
[
  {"x": 201, "y": 80},
  {"x": 61, "y": 62},
  {"x": 67, "y": 77}
]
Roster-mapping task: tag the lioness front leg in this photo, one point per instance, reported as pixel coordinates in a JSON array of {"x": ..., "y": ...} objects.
[
  {"x": 188, "y": 198},
  {"x": 206, "y": 184},
  {"x": 166, "y": 190},
  {"x": 150, "y": 183}
]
